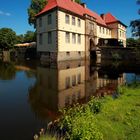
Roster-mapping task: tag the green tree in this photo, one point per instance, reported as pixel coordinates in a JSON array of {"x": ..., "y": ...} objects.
[
  {"x": 135, "y": 25},
  {"x": 30, "y": 36},
  {"x": 20, "y": 38},
  {"x": 78, "y": 1},
  {"x": 7, "y": 38},
  {"x": 35, "y": 7},
  {"x": 131, "y": 42}
]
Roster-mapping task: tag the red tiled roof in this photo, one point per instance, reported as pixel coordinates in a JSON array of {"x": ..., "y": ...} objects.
[
  {"x": 50, "y": 5},
  {"x": 109, "y": 18},
  {"x": 73, "y": 7},
  {"x": 96, "y": 16}
]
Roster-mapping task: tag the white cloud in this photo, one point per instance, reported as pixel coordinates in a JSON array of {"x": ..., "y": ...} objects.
[{"x": 4, "y": 13}]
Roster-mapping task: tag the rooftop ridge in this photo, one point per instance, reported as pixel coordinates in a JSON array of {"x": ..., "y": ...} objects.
[{"x": 78, "y": 9}]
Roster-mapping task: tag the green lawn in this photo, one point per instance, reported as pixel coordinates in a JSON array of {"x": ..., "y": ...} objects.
[
  {"x": 106, "y": 118},
  {"x": 120, "y": 118}
]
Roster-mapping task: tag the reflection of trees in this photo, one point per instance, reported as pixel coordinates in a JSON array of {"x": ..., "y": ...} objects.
[
  {"x": 42, "y": 102},
  {"x": 7, "y": 71}
]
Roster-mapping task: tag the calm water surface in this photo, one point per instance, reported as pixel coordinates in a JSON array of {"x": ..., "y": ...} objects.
[{"x": 31, "y": 93}]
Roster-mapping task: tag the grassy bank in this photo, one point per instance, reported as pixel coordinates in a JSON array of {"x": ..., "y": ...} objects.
[
  {"x": 120, "y": 118},
  {"x": 107, "y": 118}
]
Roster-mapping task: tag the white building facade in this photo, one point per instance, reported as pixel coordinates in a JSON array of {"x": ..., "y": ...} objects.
[{"x": 66, "y": 30}]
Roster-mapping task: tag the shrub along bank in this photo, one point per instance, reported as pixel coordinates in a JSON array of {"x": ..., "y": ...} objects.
[{"x": 104, "y": 119}]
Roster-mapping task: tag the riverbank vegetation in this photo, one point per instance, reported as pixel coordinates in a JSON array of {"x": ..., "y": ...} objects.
[
  {"x": 114, "y": 118},
  {"x": 8, "y": 38},
  {"x": 132, "y": 42}
]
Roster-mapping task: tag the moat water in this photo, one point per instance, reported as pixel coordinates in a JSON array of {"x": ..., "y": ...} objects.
[{"x": 31, "y": 92}]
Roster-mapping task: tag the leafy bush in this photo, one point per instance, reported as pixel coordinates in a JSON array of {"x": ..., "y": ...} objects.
[
  {"x": 95, "y": 105},
  {"x": 121, "y": 89},
  {"x": 79, "y": 122},
  {"x": 47, "y": 137}
]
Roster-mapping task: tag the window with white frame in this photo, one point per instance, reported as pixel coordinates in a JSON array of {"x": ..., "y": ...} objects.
[
  {"x": 103, "y": 30},
  {"x": 67, "y": 37},
  {"x": 91, "y": 26},
  {"x": 49, "y": 19},
  {"x": 79, "y": 22},
  {"x": 79, "y": 39},
  {"x": 73, "y": 20},
  {"x": 73, "y": 38},
  {"x": 100, "y": 29},
  {"x": 67, "y": 19},
  {"x": 107, "y": 31},
  {"x": 49, "y": 37}
]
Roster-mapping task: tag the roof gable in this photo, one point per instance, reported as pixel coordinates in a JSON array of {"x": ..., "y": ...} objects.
[
  {"x": 50, "y": 5},
  {"x": 95, "y": 15},
  {"x": 109, "y": 18}
]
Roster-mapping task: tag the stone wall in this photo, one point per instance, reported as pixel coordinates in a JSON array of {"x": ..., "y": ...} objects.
[{"x": 118, "y": 53}]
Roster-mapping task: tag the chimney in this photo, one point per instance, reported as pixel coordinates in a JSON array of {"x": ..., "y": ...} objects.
[
  {"x": 84, "y": 5},
  {"x": 103, "y": 16}
]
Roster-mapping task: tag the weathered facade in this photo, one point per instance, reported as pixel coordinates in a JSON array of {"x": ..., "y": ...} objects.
[{"x": 67, "y": 30}]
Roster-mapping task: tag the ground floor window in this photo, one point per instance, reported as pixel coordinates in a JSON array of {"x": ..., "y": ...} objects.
[
  {"x": 73, "y": 38},
  {"x": 67, "y": 37},
  {"x": 79, "y": 39}
]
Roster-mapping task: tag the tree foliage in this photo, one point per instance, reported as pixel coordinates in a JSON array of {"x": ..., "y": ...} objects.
[
  {"x": 78, "y": 1},
  {"x": 7, "y": 38},
  {"x": 30, "y": 36},
  {"x": 131, "y": 42},
  {"x": 135, "y": 25},
  {"x": 35, "y": 7},
  {"x": 20, "y": 38}
]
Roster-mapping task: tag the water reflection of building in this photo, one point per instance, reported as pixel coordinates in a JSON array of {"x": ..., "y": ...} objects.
[
  {"x": 57, "y": 86},
  {"x": 66, "y": 83},
  {"x": 71, "y": 83},
  {"x": 100, "y": 86},
  {"x": 102, "y": 83}
]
